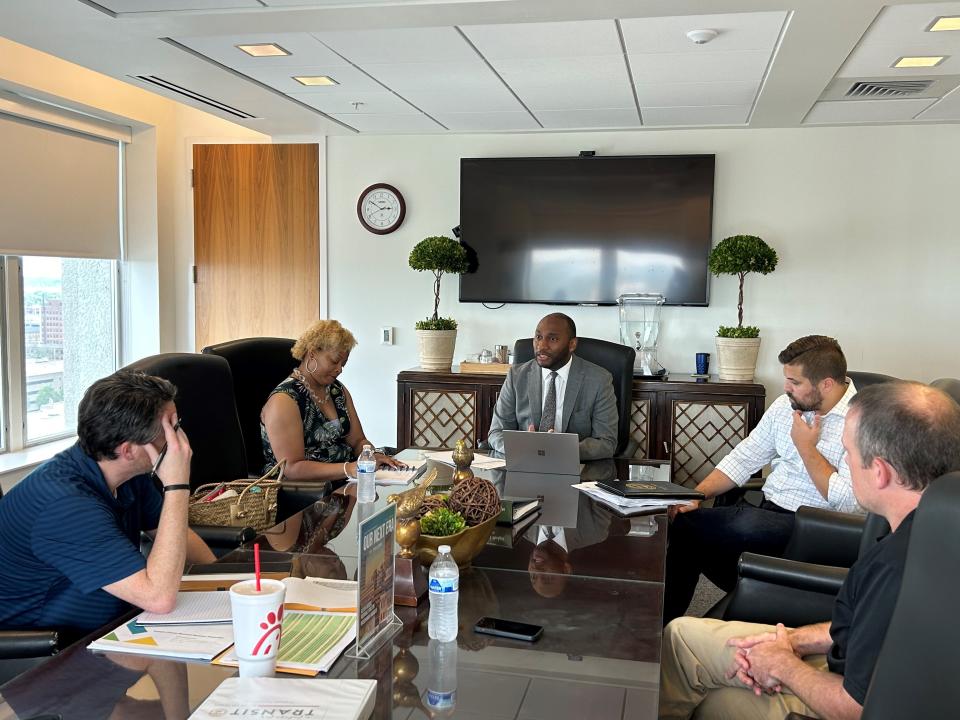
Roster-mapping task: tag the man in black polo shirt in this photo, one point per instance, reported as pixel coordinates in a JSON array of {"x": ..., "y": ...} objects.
[
  {"x": 898, "y": 437},
  {"x": 70, "y": 531}
]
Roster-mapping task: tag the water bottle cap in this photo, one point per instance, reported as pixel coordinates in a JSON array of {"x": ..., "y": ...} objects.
[{"x": 444, "y": 549}]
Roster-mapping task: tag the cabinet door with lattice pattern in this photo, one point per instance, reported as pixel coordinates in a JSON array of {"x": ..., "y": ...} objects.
[
  {"x": 702, "y": 432},
  {"x": 441, "y": 417},
  {"x": 642, "y": 425}
]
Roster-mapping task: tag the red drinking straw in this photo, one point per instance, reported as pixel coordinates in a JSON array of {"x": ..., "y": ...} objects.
[{"x": 256, "y": 563}]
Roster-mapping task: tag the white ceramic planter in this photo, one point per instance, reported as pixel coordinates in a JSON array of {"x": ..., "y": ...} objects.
[
  {"x": 436, "y": 348},
  {"x": 737, "y": 358}
]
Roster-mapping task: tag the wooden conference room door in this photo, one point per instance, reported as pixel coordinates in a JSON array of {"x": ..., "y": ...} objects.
[{"x": 256, "y": 240}]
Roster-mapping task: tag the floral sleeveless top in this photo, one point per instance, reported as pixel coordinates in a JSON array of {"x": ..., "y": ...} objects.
[{"x": 324, "y": 440}]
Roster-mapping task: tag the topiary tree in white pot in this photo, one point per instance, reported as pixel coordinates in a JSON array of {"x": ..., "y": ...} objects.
[
  {"x": 437, "y": 336},
  {"x": 738, "y": 347}
]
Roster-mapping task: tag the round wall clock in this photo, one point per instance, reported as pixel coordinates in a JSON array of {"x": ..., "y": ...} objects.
[{"x": 381, "y": 208}]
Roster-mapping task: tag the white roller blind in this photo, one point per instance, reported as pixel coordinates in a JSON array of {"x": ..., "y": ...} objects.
[{"x": 59, "y": 192}]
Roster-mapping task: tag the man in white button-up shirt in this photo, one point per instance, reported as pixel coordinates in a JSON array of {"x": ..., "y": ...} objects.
[{"x": 800, "y": 436}]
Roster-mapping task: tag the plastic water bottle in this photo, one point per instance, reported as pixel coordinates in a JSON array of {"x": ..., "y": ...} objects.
[
  {"x": 442, "y": 682},
  {"x": 444, "y": 593},
  {"x": 366, "y": 476}
]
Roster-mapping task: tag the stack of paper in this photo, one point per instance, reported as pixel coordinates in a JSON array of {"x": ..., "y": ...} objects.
[
  {"x": 273, "y": 697},
  {"x": 624, "y": 505},
  {"x": 197, "y": 642},
  {"x": 193, "y": 608},
  {"x": 484, "y": 462}
]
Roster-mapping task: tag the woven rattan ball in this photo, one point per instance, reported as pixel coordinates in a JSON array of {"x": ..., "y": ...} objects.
[
  {"x": 432, "y": 502},
  {"x": 476, "y": 499}
]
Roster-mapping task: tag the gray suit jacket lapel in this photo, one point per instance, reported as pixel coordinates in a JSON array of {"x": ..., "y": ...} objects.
[
  {"x": 572, "y": 391},
  {"x": 535, "y": 394}
]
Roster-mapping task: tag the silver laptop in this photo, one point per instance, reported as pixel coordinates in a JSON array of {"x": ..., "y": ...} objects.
[{"x": 541, "y": 452}]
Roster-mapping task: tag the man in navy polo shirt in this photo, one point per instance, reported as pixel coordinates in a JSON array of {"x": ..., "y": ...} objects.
[{"x": 70, "y": 531}]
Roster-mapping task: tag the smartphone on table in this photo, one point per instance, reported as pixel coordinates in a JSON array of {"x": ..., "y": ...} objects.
[{"x": 508, "y": 629}]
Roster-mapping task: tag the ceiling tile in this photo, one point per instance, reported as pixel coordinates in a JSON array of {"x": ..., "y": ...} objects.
[
  {"x": 946, "y": 109},
  {"x": 908, "y": 23},
  {"x": 463, "y": 100},
  {"x": 865, "y": 111},
  {"x": 543, "y": 40},
  {"x": 569, "y": 83},
  {"x": 684, "y": 94},
  {"x": 435, "y": 76},
  {"x": 738, "y": 32},
  {"x": 587, "y": 119},
  {"x": 487, "y": 122},
  {"x": 390, "y": 123},
  {"x": 699, "y": 67},
  {"x": 346, "y": 76},
  {"x": 402, "y": 45},
  {"x": 134, "y": 6},
  {"x": 695, "y": 116},
  {"x": 877, "y": 59},
  {"x": 372, "y": 103},
  {"x": 304, "y": 50}
]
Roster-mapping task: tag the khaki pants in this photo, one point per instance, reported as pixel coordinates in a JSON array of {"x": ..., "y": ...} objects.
[{"x": 693, "y": 667}]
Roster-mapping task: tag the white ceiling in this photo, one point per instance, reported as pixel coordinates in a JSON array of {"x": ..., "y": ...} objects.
[{"x": 463, "y": 66}]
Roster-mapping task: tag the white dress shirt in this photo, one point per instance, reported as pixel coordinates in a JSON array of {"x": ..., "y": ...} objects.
[
  {"x": 789, "y": 485},
  {"x": 562, "y": 375}
]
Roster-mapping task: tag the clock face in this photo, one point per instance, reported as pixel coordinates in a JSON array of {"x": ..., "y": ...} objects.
[{"x": 381, "y": 208}]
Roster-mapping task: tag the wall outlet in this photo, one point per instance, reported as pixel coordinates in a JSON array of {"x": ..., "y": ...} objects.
[{"x": 386, "y": 336}]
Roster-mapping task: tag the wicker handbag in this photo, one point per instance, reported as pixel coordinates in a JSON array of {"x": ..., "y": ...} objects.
[{"x": 254, "y": 505}]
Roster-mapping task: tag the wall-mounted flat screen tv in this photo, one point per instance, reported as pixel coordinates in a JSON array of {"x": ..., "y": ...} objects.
[{"x": 585, "y": 230}]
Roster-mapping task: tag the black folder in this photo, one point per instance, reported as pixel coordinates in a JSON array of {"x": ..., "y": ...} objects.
[{"x": 649, "y": 489}]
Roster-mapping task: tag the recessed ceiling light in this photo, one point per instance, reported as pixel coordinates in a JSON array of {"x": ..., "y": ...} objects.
[
  {"x": 945, "y": 23},
  {"x": 927, "y": 61},
  {"x": 264, "y": 50},
  {"x": 315, "y": 80}
]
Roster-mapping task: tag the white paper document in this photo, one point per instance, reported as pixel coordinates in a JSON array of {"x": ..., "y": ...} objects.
[
  {"x": 196, "y": 642},
  {"x": 320, "y": 594},
  {"x": 208, "y": 606},
  {"x": 280, "y": 697},
  {"x": 625, "y": 505},
  {"x": 479, "y": 461}
]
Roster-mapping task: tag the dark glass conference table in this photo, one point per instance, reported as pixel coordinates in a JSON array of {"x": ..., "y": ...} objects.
[{"x": 592, "y": 578}]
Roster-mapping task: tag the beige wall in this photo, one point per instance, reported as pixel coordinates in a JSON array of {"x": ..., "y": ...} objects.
[{"x": 862, "y": 219}]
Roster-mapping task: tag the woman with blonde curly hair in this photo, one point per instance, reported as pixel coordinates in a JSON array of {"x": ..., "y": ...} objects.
[{"x": 309, "y": 418}]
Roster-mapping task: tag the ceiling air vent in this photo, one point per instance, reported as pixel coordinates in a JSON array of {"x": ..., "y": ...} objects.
[
  {"x": 197, "y": 97},
  {"x": 885, "y": 88}
]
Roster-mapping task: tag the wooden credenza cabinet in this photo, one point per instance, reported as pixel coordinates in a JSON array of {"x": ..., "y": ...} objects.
[{"x": 688, "y": 421}]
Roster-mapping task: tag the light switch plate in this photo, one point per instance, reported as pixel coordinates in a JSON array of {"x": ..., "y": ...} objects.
[{"x": 386, "y": 336}]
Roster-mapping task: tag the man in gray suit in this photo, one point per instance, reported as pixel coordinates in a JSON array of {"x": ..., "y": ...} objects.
[{"x": 558, "y": 391}]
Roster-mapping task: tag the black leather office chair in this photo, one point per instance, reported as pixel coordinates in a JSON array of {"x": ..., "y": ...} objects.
[
  {"x": 615, "y": 358},
  {"x": 205, "y": 404},
  {"x": 801, "y": 587},
  {"x": 864, "y": 379},
  {"x": 257, "y": 365},
  {"x": 916, "y": 671},
  {"x": 17, "y": 647},
  {"x": 951, "y": 386}
]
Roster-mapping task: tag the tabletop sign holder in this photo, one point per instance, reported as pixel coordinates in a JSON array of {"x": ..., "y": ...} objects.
[{"x": 376, "y": 620}]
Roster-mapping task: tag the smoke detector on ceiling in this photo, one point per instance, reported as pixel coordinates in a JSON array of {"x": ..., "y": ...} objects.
[{"x": 702, "y": 37}]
